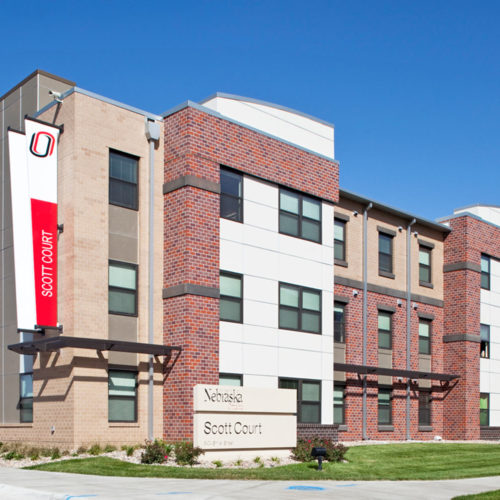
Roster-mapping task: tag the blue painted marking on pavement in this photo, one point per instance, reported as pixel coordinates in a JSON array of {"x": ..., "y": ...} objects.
[
  {"x": 345, "y": 485},
  {"x": 68, "y": 497},
  {"x": 306, "y": 488}
]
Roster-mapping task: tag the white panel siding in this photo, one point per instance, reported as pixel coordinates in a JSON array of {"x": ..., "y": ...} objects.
[{"x": 257, "y": 348}]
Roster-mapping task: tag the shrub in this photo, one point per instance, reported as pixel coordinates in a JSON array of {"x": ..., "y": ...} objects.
[
  {"x": 55, "y": 454},
  {"x": 81, "y": 450},
  {"x": 155, "y": 452},
  {"x": 13, "y": 455},
  {"x": 256, "y": 460},
  {"x": 95, "y": 449},
  {"x": 334, "y": 451},
  {"x": 129, "y": 450},
  {"x": 217, "y": 463},
  {"x": 34, "y": 455},
  {"x": 186, "y": 453},
  {"x": 109, "y": 448}
]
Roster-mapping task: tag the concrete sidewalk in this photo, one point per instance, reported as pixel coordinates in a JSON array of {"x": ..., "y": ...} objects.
[{"x": 21, "y": 484}]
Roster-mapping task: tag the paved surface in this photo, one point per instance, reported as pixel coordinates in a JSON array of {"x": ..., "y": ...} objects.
[{"x": 21, "y": 484}]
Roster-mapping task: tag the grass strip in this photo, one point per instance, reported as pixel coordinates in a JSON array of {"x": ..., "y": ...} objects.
[
  {"x": 487, "y": 495},
  {"x": 415, "y": 461}
]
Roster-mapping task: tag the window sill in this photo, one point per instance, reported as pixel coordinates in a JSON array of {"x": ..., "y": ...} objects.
[
  {"x": 425, "y": 428},
  {"x": 340, "y": 262},
  {"x": 19, "y": 425},
  {"x": 385, "y": 274},
  {"x": 427, "y": 285},
  {"x": 124, "y": 424},
  {"x": 386, "y": 428}
]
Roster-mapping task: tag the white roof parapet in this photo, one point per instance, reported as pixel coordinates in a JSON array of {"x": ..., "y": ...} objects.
[{"x": 292, "y": 126}]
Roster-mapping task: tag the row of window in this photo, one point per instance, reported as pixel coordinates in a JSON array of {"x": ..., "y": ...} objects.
[
  {"x": 385, "y": 253},
  {"x": 122, "y": 396},
  {"x": 384, "y": 329},
  {"x": 299, "y": 215},
  {"x": 299, "y": 307}
]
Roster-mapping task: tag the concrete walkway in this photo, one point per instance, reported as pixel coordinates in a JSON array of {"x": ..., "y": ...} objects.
[{"x": 21, "y": 484}]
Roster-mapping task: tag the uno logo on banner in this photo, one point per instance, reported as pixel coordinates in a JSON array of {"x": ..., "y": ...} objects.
[{"x": 42, "y": 144}]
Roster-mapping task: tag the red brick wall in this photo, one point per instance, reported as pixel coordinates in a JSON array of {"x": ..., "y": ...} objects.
[
  {"x": 354, "y": 343},
  {"x": 469, "y": 238},
  {"x": 197, "y": 143}
]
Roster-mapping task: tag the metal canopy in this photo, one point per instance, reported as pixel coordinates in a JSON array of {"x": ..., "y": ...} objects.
[
  {"x": 51, "y": 344},
  {"x": 393, "y": 372}
]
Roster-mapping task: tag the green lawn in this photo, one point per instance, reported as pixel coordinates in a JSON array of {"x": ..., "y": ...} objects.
[
  {"x": 392, "y": 461},
  {"x": 489, "y": 495}
]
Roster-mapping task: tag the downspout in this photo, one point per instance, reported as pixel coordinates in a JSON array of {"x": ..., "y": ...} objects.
[
  {"x": 152, "y": 135},
  {"x": 365, "y": 306},
  {"x": 408, "y": 325}
]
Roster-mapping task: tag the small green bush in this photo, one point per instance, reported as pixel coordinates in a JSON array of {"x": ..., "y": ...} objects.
[
  {"x": 238, "y": 462},
  {"x": 186, "y": 453},
  {"x": 109, "y": 448},
  {"x": 155, "y": 452},
  {"x": 256, "y": 460},
  {"x": 81, "y": 450},
  {"x": 335, "y": 452},
  {"x": 129, "y": 450},
  {"x": 95, "y": 449},
  {"x": 55, "y": 454},
  {"x": 13, "y": 455},
  {"x": 217, "y": 463}
]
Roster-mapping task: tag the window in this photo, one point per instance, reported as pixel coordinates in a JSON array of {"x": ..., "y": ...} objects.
[
  {"x": 123, "y": 180},
  {"x": 300, "y": 308},
  {"x": 484, "y": 409},
  {"x": 122, "y": 298},
  {"x": 26, "y": 397},
  {"x": 339, "y": 240},
  {"x": 231, "y": 297},
  {"x": 339, "y": 322},
  {"x": 384, "y": 406},
  {"x": 424, "y": 265},
  {"x": 339, "y": 404},
  {"x": 485, "y": 341},
  {"x": 308, "y": 399},
  {"x": 384, "y": 330},
  {"x": 231, "y": 195},
  {"x": 485, "y": 272},
  {"x": 384, "y": 254},
  {"x": 122, "y": 396},
  {"x": 424, "y": 408},
  {"x": 424, "y": 336},
  {"x": 230, "y": 379},
  {"x": 300, "y": 216}
]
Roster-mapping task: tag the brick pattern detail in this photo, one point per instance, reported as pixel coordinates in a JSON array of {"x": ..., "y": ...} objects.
[
  {"x": 197, "y": 143},
  {"x": 489, "y": 433},
  {"x": 305, "y": 431},
  {"x": 462, "y": 294},
  {"x": 354, "y": 355}
]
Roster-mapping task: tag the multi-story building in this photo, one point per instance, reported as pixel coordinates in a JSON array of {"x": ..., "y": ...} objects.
[{"x": 212, "y": 245}]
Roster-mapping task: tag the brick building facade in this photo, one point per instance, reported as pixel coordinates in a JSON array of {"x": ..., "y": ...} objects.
[{"x": 243, "y": 263}]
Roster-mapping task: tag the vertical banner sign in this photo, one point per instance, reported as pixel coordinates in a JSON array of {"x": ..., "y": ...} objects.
[{"x": 38, "y": 276}]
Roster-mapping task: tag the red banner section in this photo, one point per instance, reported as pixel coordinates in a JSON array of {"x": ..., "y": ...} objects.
[{"x": 44, "y": 220}]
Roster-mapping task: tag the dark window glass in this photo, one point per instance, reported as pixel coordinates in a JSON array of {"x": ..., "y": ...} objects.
[
  {"x": 300, "y": 308},
  {"x": 231, "y": 297},
  {"x": 339, "y": 404},
  {"x": 26, "y": 397},
  {"x": 384, "y": 330},
  {"x": 485, "y": 341},
  {"x": 231, "y": 196},
  {"x": 339, "y": 322},
  {"x": 485, "y": 272},
  {"x": 424, "y": 265},
  {"x": 339, "y": 239},
  {"x": 122, "y": 295},
  {"x": 300, "y": 216},
  {"x": 484, "y": 409},
  {"x": 122, "y": 396},
  {"x": 123, "y": 180},
  {"x": 424, "y": 408},
  {"x": 384, "y": 253},
  {"x": 424, "y": 336},
  {"x": 230, "y": 379},
  {"x": 308, "y": 399},
  {"x": 385, "y": 406}
]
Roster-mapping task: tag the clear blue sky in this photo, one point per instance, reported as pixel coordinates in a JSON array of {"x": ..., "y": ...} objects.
[{"x": 411, "y": 86}]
